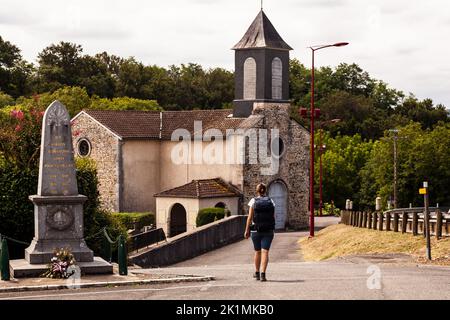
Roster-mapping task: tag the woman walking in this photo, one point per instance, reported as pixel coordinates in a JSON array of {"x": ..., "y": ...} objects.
[{"x": 261, "y": 225}]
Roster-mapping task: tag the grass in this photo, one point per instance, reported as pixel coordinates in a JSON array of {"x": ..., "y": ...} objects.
[{"x": 341, "y": 240}]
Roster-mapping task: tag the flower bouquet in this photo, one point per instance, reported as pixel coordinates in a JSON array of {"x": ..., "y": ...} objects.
[{"x": 59, "y": 264}]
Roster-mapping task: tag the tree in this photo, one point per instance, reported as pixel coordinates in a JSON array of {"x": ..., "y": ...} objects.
[
  {"x": 6, "y": 100},
  {"x": 60, "y": 64},
  {"x": 74, "y": 99},
  {"x": 219, "y": 87},
  {"x": 422, "y": 155},
  {"x": 423, "y": 111},
  {"x": 14, "y": 71},
  {"x": 345, "y": 156},
  {"x": 124, "y": 103}
]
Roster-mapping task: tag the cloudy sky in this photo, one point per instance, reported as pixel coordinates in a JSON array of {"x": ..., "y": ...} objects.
[{"x": 403, "y": 42}]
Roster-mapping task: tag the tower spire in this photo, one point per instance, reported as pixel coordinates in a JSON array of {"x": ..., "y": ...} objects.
[{"x": 262, "y": 3}]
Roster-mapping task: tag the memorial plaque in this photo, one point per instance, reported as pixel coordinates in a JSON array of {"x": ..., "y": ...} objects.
[
  {"x": 57, "y": 168},
  {"x": 58, "y": 208}
]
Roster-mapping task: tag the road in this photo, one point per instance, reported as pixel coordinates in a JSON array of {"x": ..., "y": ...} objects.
[{"x": 392, "y": 277}]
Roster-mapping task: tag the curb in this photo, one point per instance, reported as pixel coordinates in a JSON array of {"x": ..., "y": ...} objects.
[{"x": 106, "y": 284}]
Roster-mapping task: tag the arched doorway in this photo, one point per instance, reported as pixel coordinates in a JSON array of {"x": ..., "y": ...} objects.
[
  {"x": 278, "y": 193},
  {"x": 220, "y": 205},
  {"x": 178, "y": 220}
]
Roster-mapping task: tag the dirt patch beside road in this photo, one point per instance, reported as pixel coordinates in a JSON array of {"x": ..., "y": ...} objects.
[{"x": 341, "y": 241}]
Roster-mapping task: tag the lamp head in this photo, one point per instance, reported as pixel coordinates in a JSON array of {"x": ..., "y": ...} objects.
[{"x": 340, "y": 44}]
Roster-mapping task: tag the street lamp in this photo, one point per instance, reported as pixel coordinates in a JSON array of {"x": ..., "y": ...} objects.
[
  {"x": 322, "y": 148},
  {"x": 312, "y": 114}
]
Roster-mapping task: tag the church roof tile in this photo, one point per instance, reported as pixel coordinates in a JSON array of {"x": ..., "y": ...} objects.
[
  {"x": 129, "y": 124},
  {"x": 262, "y": 34},
  {"x": 208, "y": 188}
]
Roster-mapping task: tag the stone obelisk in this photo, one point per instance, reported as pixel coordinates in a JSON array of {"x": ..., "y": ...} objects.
[{"x": 58, "y": 208}]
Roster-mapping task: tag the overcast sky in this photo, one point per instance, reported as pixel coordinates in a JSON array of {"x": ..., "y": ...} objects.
[{"x": 405, "y": 43}]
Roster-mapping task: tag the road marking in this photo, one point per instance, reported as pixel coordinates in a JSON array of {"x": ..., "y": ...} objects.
[{"x": 204, "y": 287}]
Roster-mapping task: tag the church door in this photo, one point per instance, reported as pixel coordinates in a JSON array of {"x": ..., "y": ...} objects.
[
  {"x": 178, "y": 220},
  {"x": 278, "y": 193}
]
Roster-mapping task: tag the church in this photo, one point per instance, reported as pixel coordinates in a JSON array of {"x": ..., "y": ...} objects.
[{"x": 174, "y": 163}]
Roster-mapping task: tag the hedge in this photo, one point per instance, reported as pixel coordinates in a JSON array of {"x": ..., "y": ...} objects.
[
  {"x": 209, "y": 215},
  {"x": 16, "y": 210},
  {"x": 132, "y": 220},
  {"x": 95, "y": 218}
]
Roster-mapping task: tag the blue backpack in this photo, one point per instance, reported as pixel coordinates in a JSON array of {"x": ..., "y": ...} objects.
[{"x": 264, "y": 216}]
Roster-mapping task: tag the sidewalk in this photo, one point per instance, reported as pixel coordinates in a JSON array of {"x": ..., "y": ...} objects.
[{"x": 134, "y": 277}]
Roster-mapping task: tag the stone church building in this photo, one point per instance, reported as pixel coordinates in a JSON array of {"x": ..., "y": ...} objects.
[{"x": 138, "y": 152}]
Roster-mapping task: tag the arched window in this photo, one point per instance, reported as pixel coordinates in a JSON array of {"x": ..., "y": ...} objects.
[
  {"x": 84, "y": 147},
  {"x": 277, "y": 79},
  {"x": 250, "y": 79},
  {"x": 277, "y": 147}
]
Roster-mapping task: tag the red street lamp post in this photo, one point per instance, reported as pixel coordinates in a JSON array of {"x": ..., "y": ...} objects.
[{"x": 312, "y": 114}]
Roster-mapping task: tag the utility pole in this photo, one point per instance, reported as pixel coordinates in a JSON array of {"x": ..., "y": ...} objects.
[
  {"x": 395, "y": 131},
  {"x": 426, "y": 217}
]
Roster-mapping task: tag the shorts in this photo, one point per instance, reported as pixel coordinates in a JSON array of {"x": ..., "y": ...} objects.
[{"x": 262, "y": 240}]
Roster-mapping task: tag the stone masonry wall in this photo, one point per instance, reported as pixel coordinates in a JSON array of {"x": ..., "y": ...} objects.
[
  {"x": 293, "y": 165},
  {"x": 105, "y": 152}
]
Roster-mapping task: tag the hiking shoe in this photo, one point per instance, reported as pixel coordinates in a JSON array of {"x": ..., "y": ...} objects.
[
  {"x": 256, "y": 276},
  {"x": 263, "y": 277}
]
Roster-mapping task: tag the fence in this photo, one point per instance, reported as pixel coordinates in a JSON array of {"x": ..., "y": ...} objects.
[
  {"x": 400, "y": 220},
  {"x": 145, "y": 239}
]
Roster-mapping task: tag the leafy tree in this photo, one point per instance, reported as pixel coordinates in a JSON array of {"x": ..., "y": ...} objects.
[
  {"x": 343, "y": 159},
  {"x": 6, "y": 100},
  {"x": 74, "y": 99},
  {"x": 422, "y": 111},
  {"x": 14, "y": 71},
  {"x": 20, "y": 133},
  {"x": 422, "y": 155},
  {"x": 123, "y": 103},
  {"x": 219, "y": 87},
  {"x": 60, "y": 64}
]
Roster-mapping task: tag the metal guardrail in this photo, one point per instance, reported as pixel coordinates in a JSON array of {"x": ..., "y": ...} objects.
[{"x": 146, "y": 239}]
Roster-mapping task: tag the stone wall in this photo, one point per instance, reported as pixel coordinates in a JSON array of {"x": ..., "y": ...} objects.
[
  {"x": 293, "y": 165},
  {"x": 191, "y": 244},
  {"x": 105, "y": 152}
]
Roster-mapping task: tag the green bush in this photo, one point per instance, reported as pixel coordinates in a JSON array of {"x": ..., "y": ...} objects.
[
  {"x": 130, "y": 220},
  {"x": 6, "y": 100},
  {"x": 95, "y": 218},
  {"x": 328, "y": 210},
  {"x": 209, "y": 215},
  {"x": 16, "y": 210}
]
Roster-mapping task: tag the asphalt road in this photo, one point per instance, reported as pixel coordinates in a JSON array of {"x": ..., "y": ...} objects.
[{"x": 387, "y": 277}]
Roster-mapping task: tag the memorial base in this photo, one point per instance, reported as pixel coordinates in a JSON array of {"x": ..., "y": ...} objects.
[{"x": 23, "y": 269}]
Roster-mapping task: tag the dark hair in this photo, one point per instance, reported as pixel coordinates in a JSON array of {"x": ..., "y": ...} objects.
[{"x": 261, "y": 189}]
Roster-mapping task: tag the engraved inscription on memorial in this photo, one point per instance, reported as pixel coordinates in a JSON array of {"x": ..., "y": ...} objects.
[
  {"x": 59, "y": 218},
  {"x": 57, "y": 161}
]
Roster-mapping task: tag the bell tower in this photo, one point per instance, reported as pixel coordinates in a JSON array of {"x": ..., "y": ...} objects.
[{"x": 261, "y": 67}]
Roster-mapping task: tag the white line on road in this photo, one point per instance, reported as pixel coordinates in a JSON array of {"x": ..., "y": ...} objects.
[{"x": 121, "y": 291}]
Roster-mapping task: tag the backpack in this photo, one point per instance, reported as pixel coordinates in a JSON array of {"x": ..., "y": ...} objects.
[{"x": 264, "y": 216}]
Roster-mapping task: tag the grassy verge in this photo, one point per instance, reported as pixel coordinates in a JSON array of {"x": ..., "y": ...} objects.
[{"x": 341, "y": 240}]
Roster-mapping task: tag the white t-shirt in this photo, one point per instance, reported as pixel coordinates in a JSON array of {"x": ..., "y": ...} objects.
[{"x": 251, "y": 203}]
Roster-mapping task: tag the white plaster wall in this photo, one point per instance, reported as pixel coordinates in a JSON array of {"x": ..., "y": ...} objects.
[
  {"x": 164, "y": 205},
  {"x": 141, "y": 174},
  {"x": 174, "y": 175}
]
